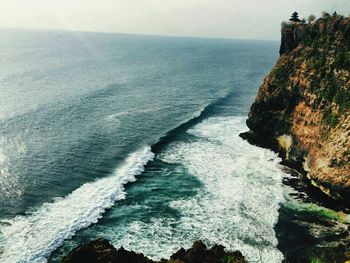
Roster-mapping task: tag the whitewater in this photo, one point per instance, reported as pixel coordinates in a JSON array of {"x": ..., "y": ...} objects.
[
  {"x": 133, "y": 139},
  {"x": 31, "y": 238},
  {"x": 237, "y": 206}
]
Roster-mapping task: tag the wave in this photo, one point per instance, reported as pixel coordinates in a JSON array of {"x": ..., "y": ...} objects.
[
  {"x": 31, "y": 238},
  {"x": 207, "y": 111},
  {"x": 234, "y": 201},
  {"x": 242, "y": 189}
]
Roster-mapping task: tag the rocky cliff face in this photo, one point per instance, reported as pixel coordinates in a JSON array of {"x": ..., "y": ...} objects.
[{"x": 302, "y": 109}]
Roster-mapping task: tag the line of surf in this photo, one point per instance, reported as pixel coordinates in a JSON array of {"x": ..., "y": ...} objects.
[
  {"x": 32, "y": 237},
  {"x": 207, "y": 111}
]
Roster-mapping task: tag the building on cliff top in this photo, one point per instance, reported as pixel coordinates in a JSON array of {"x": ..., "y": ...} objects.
[{"x": 295, "y": 17}]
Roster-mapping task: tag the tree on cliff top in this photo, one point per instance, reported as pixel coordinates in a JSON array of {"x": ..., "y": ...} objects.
[
  {"x": 311, "y": 18},
  {"x": 295, "y": 17},
  {"x": 325, "y": 15}
]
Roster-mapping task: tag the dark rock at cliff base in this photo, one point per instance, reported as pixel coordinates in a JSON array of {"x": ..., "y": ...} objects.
[
  {"x": 101, "y": 251},
  {"x": 305, "y": 236},
  {"x": 199, "y": 253},
  {"x": 258, "y": 140}
]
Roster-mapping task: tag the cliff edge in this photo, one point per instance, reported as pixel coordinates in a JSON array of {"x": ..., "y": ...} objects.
[{"x": 302, "y": 109}]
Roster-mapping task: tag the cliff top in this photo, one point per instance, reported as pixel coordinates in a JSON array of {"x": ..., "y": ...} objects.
[
  {"x": 329, "y": 30},
  {"x": 325, "y": 44}
]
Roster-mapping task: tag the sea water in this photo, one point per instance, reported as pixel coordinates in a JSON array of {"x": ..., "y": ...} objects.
[{"x": 135, "y": 139}]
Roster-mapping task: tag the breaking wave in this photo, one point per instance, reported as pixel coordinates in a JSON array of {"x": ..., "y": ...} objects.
[{"x": 32, "y": 237}]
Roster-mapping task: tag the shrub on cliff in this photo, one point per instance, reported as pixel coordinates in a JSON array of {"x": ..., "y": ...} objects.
[{"x": 311, "y": 18}]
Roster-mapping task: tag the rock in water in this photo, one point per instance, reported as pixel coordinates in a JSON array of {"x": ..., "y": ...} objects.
[
  {"x": 101, "y": 251},
  {"x": 199, "y": 253}
]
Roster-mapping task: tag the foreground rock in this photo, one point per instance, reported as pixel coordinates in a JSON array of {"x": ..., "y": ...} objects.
[
  {"x": 101, "y": 251},
  {"x": 303, "y": 107},
  {"x": 305, "y": 236}
]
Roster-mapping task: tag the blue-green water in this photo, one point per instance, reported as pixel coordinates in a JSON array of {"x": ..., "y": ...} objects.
[{"x": 132, "y": 138}]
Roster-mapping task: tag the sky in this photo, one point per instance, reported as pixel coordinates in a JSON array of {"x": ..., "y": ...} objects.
[{"x": 242, "y": 19}]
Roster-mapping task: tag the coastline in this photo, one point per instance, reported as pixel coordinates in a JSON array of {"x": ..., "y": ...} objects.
[
  {"x": 294, "y": 168},
  {"x": 302, "y": 112},
  {"x": 305, "y": 234}
]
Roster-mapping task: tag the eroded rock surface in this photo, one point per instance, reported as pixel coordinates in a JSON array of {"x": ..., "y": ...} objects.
[{"x": 302, "y": 109}]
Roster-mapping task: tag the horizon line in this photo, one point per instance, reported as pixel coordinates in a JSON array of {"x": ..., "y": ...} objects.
[{"x": 136, "y": 34}]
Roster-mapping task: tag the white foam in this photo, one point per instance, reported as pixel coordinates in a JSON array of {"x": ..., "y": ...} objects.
[
  {"x": 236, "y": 207},
  {"x": 9, "y": 183},
  {"x": 33, "y": 237},
  {"x": 116, "y": 115},
  {"x": 243, "y": 188}
]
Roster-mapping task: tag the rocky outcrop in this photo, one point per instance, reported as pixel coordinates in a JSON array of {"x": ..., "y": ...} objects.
[
  {"x": 101, "y": 251},
  {"x": 306, "y": 236},
  {"x": 290, "y": 39},
  {"x": 302, "y": 109}
]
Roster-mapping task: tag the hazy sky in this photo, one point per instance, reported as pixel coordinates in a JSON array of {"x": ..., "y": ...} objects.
[{"x": 256, "y": 19}]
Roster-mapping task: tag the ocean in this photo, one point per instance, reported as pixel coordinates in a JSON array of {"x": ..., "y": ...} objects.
[{"x": 135, "y": 139}]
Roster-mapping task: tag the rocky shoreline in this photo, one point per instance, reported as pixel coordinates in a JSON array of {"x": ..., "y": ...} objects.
[
  {"x": 302, "y": 109},
  {"x": 315, "y": 228},
  {"x": 308, "y": 236},
  {"x": 302, "y": 112},
  {"x": 304, "y": 235},
  {"x": 101, "y": 251}
]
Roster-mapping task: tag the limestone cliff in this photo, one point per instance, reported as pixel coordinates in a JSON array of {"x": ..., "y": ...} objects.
[{"x": 302, "y": 108}]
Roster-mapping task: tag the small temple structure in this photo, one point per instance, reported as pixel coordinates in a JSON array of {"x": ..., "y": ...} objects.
[{"x": 295, "y": 17}]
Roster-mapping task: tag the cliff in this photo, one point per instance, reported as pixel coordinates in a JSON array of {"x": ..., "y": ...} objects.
[
  {"x": 302, "y": 109},
  {"x": 101, "y": 251}
]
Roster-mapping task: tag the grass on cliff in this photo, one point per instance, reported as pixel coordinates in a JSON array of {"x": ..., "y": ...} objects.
[
  {"x": 342, "y": 98},
  {"x": 334, "y": 93},
  {"x": 318, "y": 212},
  {"x": 327, "y": 53},
  {"x": 330, "y": 118},
  {"x": 327, "y": 84},
  {"x": 315, "y": 260}
]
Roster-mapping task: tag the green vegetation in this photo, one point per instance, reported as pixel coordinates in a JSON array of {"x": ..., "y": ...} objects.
[
  {"x": 230, "y": 259},
  {"x": 329, "y": 118},
  {"x": 327, "y": 65},
  {"x": 282, "y": 71},
  {"x": 329, "y": 90},
  {"x": 318, "y": 211},
  {"x": 326, "y": 54},
  {"x": 311, "y": 18},
  {"x": 342, "y": 59},
  {"x": 342, "y": 98}
]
